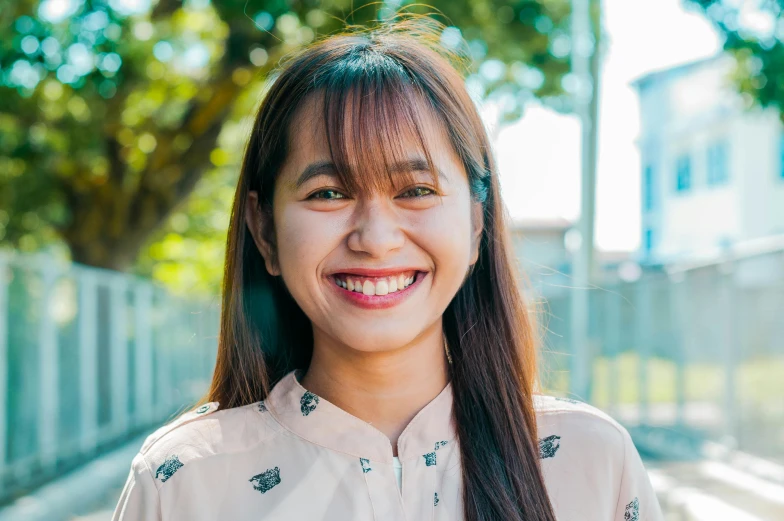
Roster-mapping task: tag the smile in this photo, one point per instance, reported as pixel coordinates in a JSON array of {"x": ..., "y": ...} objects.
[
  {"x": 375, "y": 285},
  {"x": 374, "y": 291}
]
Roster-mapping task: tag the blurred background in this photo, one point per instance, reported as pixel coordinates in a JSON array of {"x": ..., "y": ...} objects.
[{"x": 641, "y": 153}]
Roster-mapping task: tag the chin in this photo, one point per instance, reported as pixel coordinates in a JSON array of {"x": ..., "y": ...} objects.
[{"x": 370, "y": 341}]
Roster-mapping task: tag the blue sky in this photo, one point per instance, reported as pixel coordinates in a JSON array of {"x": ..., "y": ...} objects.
[{"x": 539, "y": 156}]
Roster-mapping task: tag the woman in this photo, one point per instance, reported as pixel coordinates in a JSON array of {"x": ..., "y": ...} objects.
[{"x": 376, "y": 360}]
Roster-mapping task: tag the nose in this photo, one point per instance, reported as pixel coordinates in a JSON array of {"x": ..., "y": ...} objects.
[{"x": 377, "y": 228}]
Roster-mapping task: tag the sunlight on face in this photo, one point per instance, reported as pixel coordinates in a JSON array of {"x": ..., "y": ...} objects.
[{"x": 329, "y": 239}]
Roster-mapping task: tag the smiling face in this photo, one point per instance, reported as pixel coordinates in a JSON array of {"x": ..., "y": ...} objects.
[{"x": 374, "y": 269}]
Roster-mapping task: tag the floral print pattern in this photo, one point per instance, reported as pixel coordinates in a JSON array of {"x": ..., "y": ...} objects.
[
  {"x": 308, "y": 403},
  {"x": 266, "y": 480},
  {"x": 549, "y": 446},
  {"x": 168, "y": 468},
  {"x": 632, "y": 511},
  {"x": 435, "y": 499},
  {"x": 430, "y": 458},
  {"x": 365, "y": 465}
]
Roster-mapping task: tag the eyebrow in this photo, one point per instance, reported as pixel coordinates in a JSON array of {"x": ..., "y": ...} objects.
[{"x": 328, "y": 168}]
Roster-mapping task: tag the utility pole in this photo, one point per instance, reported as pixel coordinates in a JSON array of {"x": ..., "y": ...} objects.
[{"x": 586, "y": 30}]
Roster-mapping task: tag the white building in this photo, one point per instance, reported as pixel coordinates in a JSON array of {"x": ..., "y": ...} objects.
[{"x": 712, "y": 170}]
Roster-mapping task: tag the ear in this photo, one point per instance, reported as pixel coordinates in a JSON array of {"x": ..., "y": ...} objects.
[
  {"x": 477, "y": 225},
  {"x": 260, "y": 226}
]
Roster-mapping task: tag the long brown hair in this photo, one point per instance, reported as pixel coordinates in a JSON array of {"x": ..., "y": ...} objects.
[{"x": 392, "y": 68}]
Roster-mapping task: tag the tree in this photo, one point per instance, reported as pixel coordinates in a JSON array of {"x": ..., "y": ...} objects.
[
  {"x": 754, "y": 34},
  {"x": 112, "y": 112}
]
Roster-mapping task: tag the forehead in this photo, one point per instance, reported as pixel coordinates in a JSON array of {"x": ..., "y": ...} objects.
[
  {"x": 366, "y": 136},
  {"x": 311, "y": 118}
]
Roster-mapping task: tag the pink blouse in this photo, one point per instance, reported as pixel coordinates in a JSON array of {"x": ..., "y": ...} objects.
[{"x": 295, "y": 456}]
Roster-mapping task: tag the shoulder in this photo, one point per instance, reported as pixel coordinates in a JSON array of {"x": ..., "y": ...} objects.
[
  {"x": 579, "y": 429},
  {"x": 204, "y": 432},
  {"x": 566, "y": 411},
  {"x": 578, "y": 441}
]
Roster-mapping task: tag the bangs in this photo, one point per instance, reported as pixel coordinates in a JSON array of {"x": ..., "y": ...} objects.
[{"x": 377, "y": 124}]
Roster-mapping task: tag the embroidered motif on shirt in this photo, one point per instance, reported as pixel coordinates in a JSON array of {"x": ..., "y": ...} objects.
[
  {"x": 430, "y": 458},
  {"x": 632, "y": 511},
  {"x": 440, "y": 444},
  {"x": 365, "y": 465},
  {"x": 435, "y": 499},
  {"x": 549, "y": 446},
  {"x": 308, "y": 403},
  {"x": 168, "y": 468},
  {"x": 204, "y": 408},
  {"x": 262, "y": 407},
  {"x": 266, "y": 480},
  {"x": 561, "y": 399}
]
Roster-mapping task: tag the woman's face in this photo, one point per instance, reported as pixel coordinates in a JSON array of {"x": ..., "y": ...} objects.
[{"x": 373, "y": 271}]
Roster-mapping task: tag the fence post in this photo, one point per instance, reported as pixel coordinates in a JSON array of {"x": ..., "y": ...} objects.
[
  {"x": 48, "y": 365},
  {"x": 88, "y": 360},
  {"x": 643, "y": 331},
  {"x": 613, "y": 302},
  {"x": 729, "y": 351},
  {"x": 143, "y": 362},
  {"x": 163, "y": 338},
  {"x": 119, "y": 353},
  {"x": 677, "y": 297},
  {"x": 5, "y": 280}
]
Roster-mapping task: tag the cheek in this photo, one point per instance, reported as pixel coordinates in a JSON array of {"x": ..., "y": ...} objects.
[
  {"x": 304, "y": 239},
  {"x": 445, "y": 233}
]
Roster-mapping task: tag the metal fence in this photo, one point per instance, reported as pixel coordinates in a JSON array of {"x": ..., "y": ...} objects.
[
  {"x": 88, "y": 358},
  {"x": 695, "y": 348}
]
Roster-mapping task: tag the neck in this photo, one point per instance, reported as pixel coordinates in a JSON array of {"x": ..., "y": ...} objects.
[{"x": 386, "y": 389}]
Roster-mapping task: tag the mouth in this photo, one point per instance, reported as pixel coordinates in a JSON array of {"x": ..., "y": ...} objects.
[
  {"x": 372, "y": 286},
  {"x": 373, "y": 290}
]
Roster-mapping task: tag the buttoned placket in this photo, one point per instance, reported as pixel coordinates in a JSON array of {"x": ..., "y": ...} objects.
[
  {"x": 325, "y": 424},
  {"x": 414, "y": 500}
]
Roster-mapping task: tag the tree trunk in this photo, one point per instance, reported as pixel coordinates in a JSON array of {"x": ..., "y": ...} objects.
[{"x": 110, "y": 224}]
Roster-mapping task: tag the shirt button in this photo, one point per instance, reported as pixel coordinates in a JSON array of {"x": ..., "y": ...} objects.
[{"x": 203, "y": 409}]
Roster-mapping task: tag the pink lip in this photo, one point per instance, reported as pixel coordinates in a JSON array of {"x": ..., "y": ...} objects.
[
  {"x": 376, "y": 301},
  {"x": 375, "y": 272}
]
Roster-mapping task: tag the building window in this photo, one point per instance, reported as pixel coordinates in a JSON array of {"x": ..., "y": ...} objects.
[
  {"x": 718, "y": 169},
  {"x": 648, "y": 240},
  {"x": 648, "y": 187},
  {"x": 683, "y": 173},
  {"x": 781, "y": 155}
]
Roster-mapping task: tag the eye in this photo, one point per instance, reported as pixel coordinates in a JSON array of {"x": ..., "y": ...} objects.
[
  {"x": 418, "y": 191},
  {"x": 327, "y": 194}
]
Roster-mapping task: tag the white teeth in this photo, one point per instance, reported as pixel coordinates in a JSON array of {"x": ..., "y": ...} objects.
[
  {"x": 368, "y": 288},
  {"x": 380, "y": 287}
]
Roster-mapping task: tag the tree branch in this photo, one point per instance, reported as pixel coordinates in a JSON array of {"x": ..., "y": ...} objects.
[
  {"x": 165, "y": 8},
  {"x": 116, "y": 167}
]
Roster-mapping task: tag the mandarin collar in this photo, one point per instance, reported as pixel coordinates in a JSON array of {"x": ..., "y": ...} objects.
[{"x": 317, "y": 420}]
